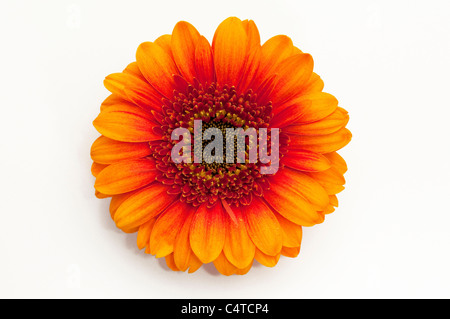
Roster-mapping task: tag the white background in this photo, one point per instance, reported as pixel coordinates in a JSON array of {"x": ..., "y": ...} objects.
[{"x": 386, "y": 61}]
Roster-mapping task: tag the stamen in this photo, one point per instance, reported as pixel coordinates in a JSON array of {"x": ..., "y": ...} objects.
[{"x": 217, "y": 107}]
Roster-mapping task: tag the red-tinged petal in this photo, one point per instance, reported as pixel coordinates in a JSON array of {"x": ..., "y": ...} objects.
[
  {"x": 292, "y": 233},
  {"x": 184, "y": 40},
  {"x": 106, "y": 151},
  {"x": 126, "y": 123},
  {"x": 293, "y": 73},
  {"x": 132, "y": 86},
  {"x": 182, "y": 251},
  {"x": 224, "y": 266},
  {"x": 290, "y": 204},
  {"x": 96, "y": 168},
  {"x": 306, "y": 161},
  {"x": 126, "y": 176},
  {"x": 204, "y": 65},
  {"x": 171, "y": 263},
  {"x": 141, "y": 93},
  {"x": 143, "y": 206},
  {"x": 167, "y": 227},
  {"x": 207, "y": 233},
  {"x": 264, "y": 91},
  {"x": 144, "y": 232},
  {"x": 250, "y": 70},
  {"x": 267, "y": 260},
  {"x": 337, "y": 161},
  {"x": 238, "y": 248},
  {"x": 291, "y": 252},
  {"x": 157, "y": 67},
  {"x": 321, "y": 143},
  {"x": 306, "y": 186},
  {"x": 229, "y": 50},
  {"x": 305, "y": 109},
  {"x": 165, "y": 42},
  {"x": 328, "y": 125},
  {"x": 263, "y": 227}
]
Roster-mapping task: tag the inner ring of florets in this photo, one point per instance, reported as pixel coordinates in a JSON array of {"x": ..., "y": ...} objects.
[{"x": 207, "y": 182}]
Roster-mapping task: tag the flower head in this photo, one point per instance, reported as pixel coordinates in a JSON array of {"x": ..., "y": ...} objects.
[{"x": 230, "y": 213}]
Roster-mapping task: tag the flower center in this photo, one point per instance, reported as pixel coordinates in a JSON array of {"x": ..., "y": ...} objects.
[{"x": 209, "y": 181}]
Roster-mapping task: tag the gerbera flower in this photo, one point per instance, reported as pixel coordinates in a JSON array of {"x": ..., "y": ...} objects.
[{"x": 228, "y": 214}]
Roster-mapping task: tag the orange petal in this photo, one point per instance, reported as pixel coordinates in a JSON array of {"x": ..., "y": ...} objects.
[
  {"x": 157, "y": 67},
  {"x": 224, "y": 266},
  {"x": 263, "y": 227},
  {"x": 293, "y": 73},
  {"x": 143, "y": 206},
  {"x": 267, "y": 260},
  {"x": 330, "y": 209},
  {"x": 105, "y": 150},
  {"x": 144, "y": 232},
  {"x": 290, "y": 204},
  {"x": 182, "y": 249},
  {"x": 337, "y": 161},
  {"x": 101, "y": 195},
  {"x": 184, "y": 40},
  {"x": 292, "y": 233},
  {"x": 328, "y": 125},
  {"x": 207, "y": 233},
  {"x": 115, "y": 83},
  {"x": 125, "y": 123},
  {"x": 204, "y": 65},
  {"x": 133, "y": 69},
  {"x": 126, "y": 176},
  {"x": 229, "y": 50},
  {"x": 334, "y": 200},
  {"x": 321, "y": 143},
  {"x": 194, "y": 263},
  {"x": 167, "y": 227},
  {"x": 331, "y": 180},
  {"x": 112, "y": 100},
  {"x": 165, "y": 42},
  {"x": 244, "y": 270},
  {"x": 171, "y": 263},
  {"x": 274, "y": 51},
  {"x": 314, "y": 84},
  {"x": 305, "y": 109},
  {"x": 306, "y": 186},
  {"x": 253, "y": 38},
  {"x": 238, "y": 248},
  {"x": 306, "y": 161},
  {"x": 290, "y": 251},
  {"x": 117, "y": 200},
  {"x": 96, "y": 168}
]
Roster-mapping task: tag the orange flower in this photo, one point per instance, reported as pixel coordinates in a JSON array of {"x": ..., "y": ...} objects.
[{"x": 228, "y": 214}]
